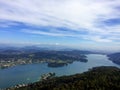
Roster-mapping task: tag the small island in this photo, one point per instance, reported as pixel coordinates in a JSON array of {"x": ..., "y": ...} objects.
[{"x": 57, "y": 64}]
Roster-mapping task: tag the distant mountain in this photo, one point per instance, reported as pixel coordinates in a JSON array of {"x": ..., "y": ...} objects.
[
  {"x": 98, "y": 78},
  {"x": 115, "y": 57},
  {"x": 43, "y": 47},
  {"x": 11, "y": 51},
  {"x": 75, "y": 52},
  {"x": 38, "y": 48}
]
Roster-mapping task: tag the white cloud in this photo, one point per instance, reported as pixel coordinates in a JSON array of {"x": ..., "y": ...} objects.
[
  {"x": 44, "y": 33},
  {"x": 99, "y": 39},
  {"x": 79, "y": 15}
]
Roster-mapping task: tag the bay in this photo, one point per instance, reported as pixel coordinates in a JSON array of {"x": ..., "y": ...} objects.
[{"x": 24, "y": 74}]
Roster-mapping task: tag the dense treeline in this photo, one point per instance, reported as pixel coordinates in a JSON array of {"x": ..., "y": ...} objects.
[
  {"x": 115, "y": 58},
  {"x": 99, "y": 78}
]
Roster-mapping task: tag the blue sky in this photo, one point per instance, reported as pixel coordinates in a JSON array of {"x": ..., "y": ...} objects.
[{"x": 74, "y": 23}]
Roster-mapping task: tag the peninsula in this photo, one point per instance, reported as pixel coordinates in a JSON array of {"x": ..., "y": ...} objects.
[{"x": 53, "y": 58}]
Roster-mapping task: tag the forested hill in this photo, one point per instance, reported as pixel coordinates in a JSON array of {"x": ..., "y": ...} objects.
[
  {"x": 115, "y": 58},
  {"x": 98, "y": 78}
]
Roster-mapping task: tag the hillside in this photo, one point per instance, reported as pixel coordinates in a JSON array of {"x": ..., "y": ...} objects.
[
  {"x": 115, "y": 58},
  {"x": 98, "y": 78}
]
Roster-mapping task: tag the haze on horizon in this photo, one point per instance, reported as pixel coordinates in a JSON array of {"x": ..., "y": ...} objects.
[{"x": 73, "y": 23}]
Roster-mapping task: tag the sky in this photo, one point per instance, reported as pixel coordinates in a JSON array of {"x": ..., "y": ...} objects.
[{"x": 88, "y": 24}]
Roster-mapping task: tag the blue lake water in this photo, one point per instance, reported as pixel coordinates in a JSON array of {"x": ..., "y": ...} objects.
[{"x": 32, "y": 72}]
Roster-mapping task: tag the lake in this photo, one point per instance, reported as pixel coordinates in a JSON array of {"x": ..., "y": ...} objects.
[{"x": 31, "y": 73}]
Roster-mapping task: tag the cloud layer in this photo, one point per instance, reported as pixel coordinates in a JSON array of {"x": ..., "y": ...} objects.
[{"x": 94, "y": 20}]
